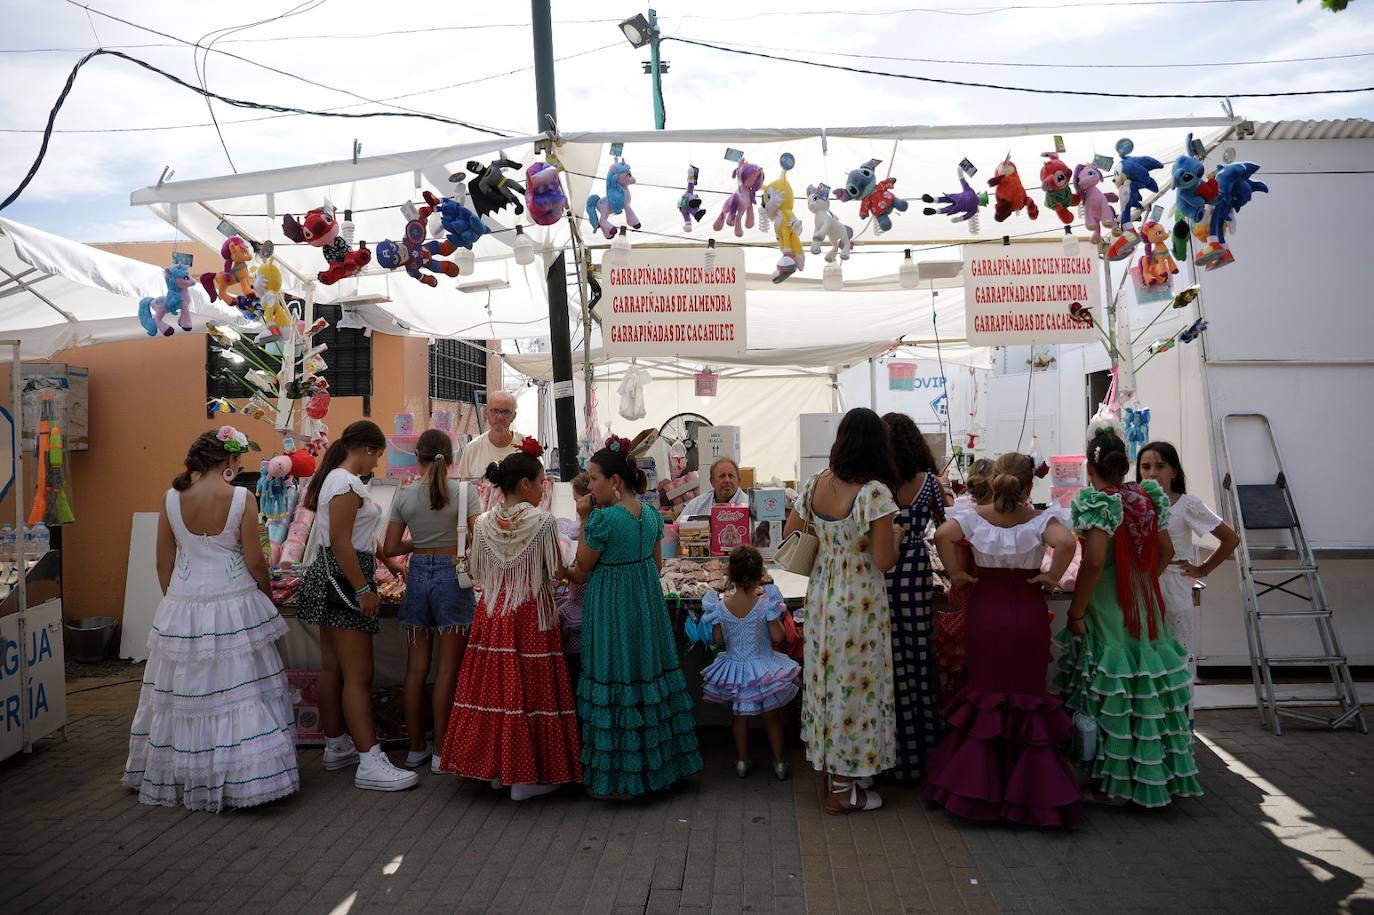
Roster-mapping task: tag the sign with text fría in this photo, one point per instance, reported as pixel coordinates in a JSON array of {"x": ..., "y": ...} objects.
[
  {"x": 1016, "y": 297},
  {"x": 669, "y": 303}
]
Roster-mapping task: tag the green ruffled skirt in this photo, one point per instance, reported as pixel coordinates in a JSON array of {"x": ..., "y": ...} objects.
[{"x": 1138, "y": 691}]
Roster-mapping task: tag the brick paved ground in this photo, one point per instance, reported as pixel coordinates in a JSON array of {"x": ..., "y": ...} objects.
[{"x": 1287, "y": 825}]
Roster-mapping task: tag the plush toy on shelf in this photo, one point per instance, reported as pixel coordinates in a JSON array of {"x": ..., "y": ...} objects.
[
  {"x": 1055, "y": 178},
  {"x": 960, "y": 206},
  {"x": 778, "y": 201},
  {"x": 461, "y": 226},
  {"x": 413, "y": 252},
  {"x": 177, "y": 301},
  {"x": 544, "y": 195},
  {"x": 1097, "y": 210},
  {"x": 828, "y": 226},
  {"x": 1234, "y": 190},
  {"x": 320, "y": 229},
  {"x": 491, "y": 191},
  {"x": 232, "y": 285},
  {"x": 616, "y": 202},
  {"x": 738, "y": 209},
  {"x": 1132, "y": 177},
  {"x": 689, "y": 204},
  {"x": 1192, "y": 193},
  {"x": 1011, "y": 193},
  {"x": 875, "y": 197}
]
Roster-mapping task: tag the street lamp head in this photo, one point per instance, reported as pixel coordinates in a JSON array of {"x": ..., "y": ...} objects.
[{"x": 637, "y": 30}]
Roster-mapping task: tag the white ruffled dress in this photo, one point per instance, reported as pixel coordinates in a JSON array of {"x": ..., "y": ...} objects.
[{"x": 214, "y": 726}]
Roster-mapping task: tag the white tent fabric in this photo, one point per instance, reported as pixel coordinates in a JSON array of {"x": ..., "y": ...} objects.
[
  {"x": 56, "y": 293},
  {"x": 513, "y": 301}
]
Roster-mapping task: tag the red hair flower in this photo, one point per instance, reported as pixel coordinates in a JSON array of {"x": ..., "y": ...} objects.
[
  {"x": 529, "y": 445},
  {"x": 616, "y": 443}
]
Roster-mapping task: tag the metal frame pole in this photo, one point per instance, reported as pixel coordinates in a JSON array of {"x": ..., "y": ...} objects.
[
  {"x": 660, "y": 115},
  {"x": 20, "y": 558}
]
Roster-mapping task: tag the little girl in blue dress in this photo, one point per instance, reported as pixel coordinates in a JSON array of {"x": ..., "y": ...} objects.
[{"x": 749, "y": 675}]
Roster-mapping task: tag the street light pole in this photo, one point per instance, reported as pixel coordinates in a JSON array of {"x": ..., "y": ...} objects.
[
  {"x": 660, "y": 116},
  {"x": 565, "y": 412}
]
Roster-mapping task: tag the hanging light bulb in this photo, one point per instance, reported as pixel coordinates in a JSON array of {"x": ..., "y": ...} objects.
[
  {"x": 618, "y": 254},
  {"x": 708, "y": 260},
  {"x": 1070, "y": 242},
  {"x": 466, "y": 261},
  {"x": 908, "y": 274},
  {"x": 523, "y": 247},
  {"x": 832, "y": 278}
]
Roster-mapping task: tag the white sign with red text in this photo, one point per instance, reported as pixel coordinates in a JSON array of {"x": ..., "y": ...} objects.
[
  {"x": 668, "y": 303},
  {"x": 1020, "y": 296}
]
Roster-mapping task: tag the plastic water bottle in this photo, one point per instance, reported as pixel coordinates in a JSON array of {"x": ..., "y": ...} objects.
[
  {"x": 37, "y": 541},
  {"x": 7, "y": 541}
]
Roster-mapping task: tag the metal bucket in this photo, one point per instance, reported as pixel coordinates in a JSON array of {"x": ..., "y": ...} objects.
[{"x": 90, "y": 640}]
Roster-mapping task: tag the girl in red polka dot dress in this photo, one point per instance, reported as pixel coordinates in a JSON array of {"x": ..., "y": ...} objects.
[{"x": 514, "y": 716}]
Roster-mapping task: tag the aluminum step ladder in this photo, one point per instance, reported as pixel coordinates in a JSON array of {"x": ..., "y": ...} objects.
[{"x": 1267, "y": 569}]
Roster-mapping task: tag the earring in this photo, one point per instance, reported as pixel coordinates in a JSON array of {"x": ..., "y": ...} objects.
[
  {"x": 616, "y": 492},
  {"x": 229, "y": 475}
]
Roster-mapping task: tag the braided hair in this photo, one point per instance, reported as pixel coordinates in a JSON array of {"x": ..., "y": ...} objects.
[{"x": 206, "y": 453}]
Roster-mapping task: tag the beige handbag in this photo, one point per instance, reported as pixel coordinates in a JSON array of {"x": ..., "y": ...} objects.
[{"x": 797, "y": 553}]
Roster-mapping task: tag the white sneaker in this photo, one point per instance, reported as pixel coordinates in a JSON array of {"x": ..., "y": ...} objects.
[
  {"x": 339, "y": 753},
  {"x": 416, "y": 758},
  {"x": 376, "y": 773},
  {"x": 434, "y": 765}
]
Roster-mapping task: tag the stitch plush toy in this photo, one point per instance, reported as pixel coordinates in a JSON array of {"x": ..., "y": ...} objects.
[
  {"x": 151, "y": 310},
  {"x": 1132, "y": 177},
  {"x": 414, "y": 253},
  {"x": 960, "y": 206},
  {"x": 828, "y": 225},
  {"x": 1011, "y": 194},
  {"x": 1097, "y": 211},
  {"x": 491, "y": 191},
  {"x": 544, "y": 194},
  {"x": 461, "y": 226},
  {"x": 1234, "y": 190},
  {"x": 875, "y": 197},
  {"x": 1192, "y": 194},
  {"x": 617, "y": 201},
  {"x": 232, "y": 285},
  {"x": 738, "y": 209},
  {"x": 689, "y": 204},
  {"x": 777, "y": 205},
  {"x": 1055, "y": 176},
  {"x": 320, "y": 229}
]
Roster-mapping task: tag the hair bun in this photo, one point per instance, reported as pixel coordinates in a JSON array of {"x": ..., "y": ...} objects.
[{"x": 493, "y": 474}]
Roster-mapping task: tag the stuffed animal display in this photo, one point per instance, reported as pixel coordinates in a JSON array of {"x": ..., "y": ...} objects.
[
  {"x": 738, "y": 209},
  {"x": 544, "y": 197},
  {"x": 616, "y": 202},
  {"x": 1097, "y": 210},
  {"x": 1235, "y": 187},
  {"x": 960, "y": 206},
  {"x": 1132, "y": 177},
  {"x": 176, "y": 301},
  {"x": 461, "y": 226},
  {"x": 689, "y": 204},
  {"x": 778, "y": 202},
  {"x": 1192, "y": 194},
  {"x": 414, "y": 253},
  {"x": 232, "y": 285},
  {"x": 1156, "y": 264},
  {"x": 1055, "y": 176},
  {"x": 875, "y": 197},
  {"x": 1011, "y": 193},
  {"x": 828, "y": 227},
  {"x": 320, "y": 229},
  {"x": 491, "y": 191}
]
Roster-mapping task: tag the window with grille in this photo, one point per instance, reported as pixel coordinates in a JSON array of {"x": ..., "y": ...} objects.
[
  {"x": 349, "y": 358},
  {"x": 457, "y": 371}
]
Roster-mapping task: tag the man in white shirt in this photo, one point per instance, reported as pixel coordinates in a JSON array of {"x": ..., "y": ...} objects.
[
  {"x": 724, "y": 490},
  {"x": 494, "y": 444}
]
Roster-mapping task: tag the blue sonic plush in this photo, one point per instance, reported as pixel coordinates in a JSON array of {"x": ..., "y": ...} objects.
[
  {"x": 1235, "y": 187},
  {"x": 462, "y": 227},
  {"x": 1132, "y": 178}
]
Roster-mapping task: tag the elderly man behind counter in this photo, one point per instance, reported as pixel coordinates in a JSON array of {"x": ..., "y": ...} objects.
[
  {"x": 494, "y": 444},
  {"x": 724, "y": 490}
]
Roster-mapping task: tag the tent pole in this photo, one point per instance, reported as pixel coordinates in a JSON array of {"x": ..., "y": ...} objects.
[
  {"x": 873, "y": 383},
  {"x": 563, "y": 403},
  {"x": 70, "y": 318},
  {"x": 21, "y": 593}
]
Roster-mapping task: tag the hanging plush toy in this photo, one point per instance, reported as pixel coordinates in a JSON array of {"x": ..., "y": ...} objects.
[
  {"x": 1156, "y": 265},
  {"x": 1011, "y": 193},
  {"x": 320, "y": 229},
  {"x": 777, "y": 204},
  {"x": 875, "y": 197},
  {"x": 1097, "y": 210},
  {"x": 1192, "y": 331},
  {"x": 689, "y": 204},
  {"x": 491, "y": 191},
  {"x": 1137, "y": 430},
  {"x": 276, "y": 317},
  {"x": 1055, "y": 176},
  {"x": 544, "y": 194},
  {"x": 617, "y": 201},
  {"x": 151, "y": 310},
  {"x": 828, "y": 226},
  {"x": 1132, "y": 177},
  {"x": 414, "y": 253},
  {"x": 1191, "y": 196},
  {"x": 1234, "y": 190},
  {"x": 961, "y": 205},
  {"x": 461, "y": 226},
  {"x": 738, "y": 209},
  {"x": 232, "y": 285}
]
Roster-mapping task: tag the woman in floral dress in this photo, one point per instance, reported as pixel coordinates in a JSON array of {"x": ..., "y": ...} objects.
[{"x": 848, "y": 717}]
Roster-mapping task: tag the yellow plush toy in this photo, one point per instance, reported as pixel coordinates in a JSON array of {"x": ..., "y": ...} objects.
[
  {"x": 267, "y": 285},
  {"x": 777, "y": 208}
]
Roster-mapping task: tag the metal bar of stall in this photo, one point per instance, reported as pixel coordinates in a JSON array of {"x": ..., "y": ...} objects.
[{"x": 21, "y": 560}]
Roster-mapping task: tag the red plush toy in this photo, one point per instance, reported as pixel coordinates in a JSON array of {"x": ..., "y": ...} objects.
[
  {"x": 302, "y": 464},
  {"x": 1055, "y": 178},
  {"x": 1011, "y": 195},
  {"x": 320, "y": 229}
]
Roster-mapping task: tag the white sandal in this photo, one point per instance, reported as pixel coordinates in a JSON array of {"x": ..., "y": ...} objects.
[{"x": 871, "y": 800}]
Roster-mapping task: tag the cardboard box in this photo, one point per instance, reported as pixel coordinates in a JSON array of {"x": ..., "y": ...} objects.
[
  {"x": 715, "y": 442},
  {"x": 767, "y": 537},
  {"x": 694, "y": 539},
  {"x": 302, "y": 686},
  {"x": 748, "y": 478},
  {"x": 729, "y": 528},
  {"x": 768, "y": 504},
  {"x": 683, "y": 488}
]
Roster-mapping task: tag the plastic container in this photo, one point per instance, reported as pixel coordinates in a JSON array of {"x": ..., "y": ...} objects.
[
  {"x": 90, "y": 640},
  {"x": 1069, "y": 470},
  {"x": 7, "y": 543},
  {"x": 401, "y": 463},
  {"x": 37, "y": 541},
  {"x": 670, "y": 541}
]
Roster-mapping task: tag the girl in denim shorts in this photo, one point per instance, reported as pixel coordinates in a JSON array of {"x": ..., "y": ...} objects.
[{"x": 436, "y": 602}]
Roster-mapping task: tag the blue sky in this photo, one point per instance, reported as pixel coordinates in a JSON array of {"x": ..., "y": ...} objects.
[{"x": 82, "y": 190}]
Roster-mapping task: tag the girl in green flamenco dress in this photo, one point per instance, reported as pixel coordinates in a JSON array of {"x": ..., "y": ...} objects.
[{"x": 1120, "y": 664}]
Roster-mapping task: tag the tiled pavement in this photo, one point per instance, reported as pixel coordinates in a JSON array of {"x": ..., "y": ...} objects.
[{"x": 1287, "y": 825}]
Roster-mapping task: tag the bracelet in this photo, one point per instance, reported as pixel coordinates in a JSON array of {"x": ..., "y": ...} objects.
[
  {"x": 365, "y": 589},
  {"x": 1078, "y": 618}
]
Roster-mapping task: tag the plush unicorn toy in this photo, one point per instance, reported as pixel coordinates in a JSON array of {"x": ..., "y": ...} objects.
[
  {"x": 777, "y": 206},
  {"x": 151, "y": 310},
  {"x": 1097, "y": 210},
  {"x": 617, "y": 201},
  {"x": 689, "y": 204},
  {"x": 738, "y": 209},
  {"x": 875, "y": 197},
  {"x": 828, "y": 225}
]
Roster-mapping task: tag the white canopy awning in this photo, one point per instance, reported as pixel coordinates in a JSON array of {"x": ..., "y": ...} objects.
[{"x": 56, "y": 293}]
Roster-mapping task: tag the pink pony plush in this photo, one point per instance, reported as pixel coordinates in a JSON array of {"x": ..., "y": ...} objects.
[
  {"x": 1096, "y": 209},
  {"x": 738, "y": 210}
]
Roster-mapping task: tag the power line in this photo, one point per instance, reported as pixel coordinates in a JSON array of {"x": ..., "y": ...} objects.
[
  {"x": 974, "y": 85},
  {"x": 954, "y": 11}
]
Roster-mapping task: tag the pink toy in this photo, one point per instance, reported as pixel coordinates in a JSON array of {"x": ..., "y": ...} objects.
[
  {"x": 1096, "y": 209},
  {"x": 738, "y": 210},
  {"x": 544, "y": 197},
  {"x": 293, "y": 551}
]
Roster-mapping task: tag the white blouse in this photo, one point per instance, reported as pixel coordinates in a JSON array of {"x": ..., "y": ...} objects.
[
  {"x": 337, "y": 483},
  {"x": 1021, "y": 546},
  {"x": 1190, "y": 517}
]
